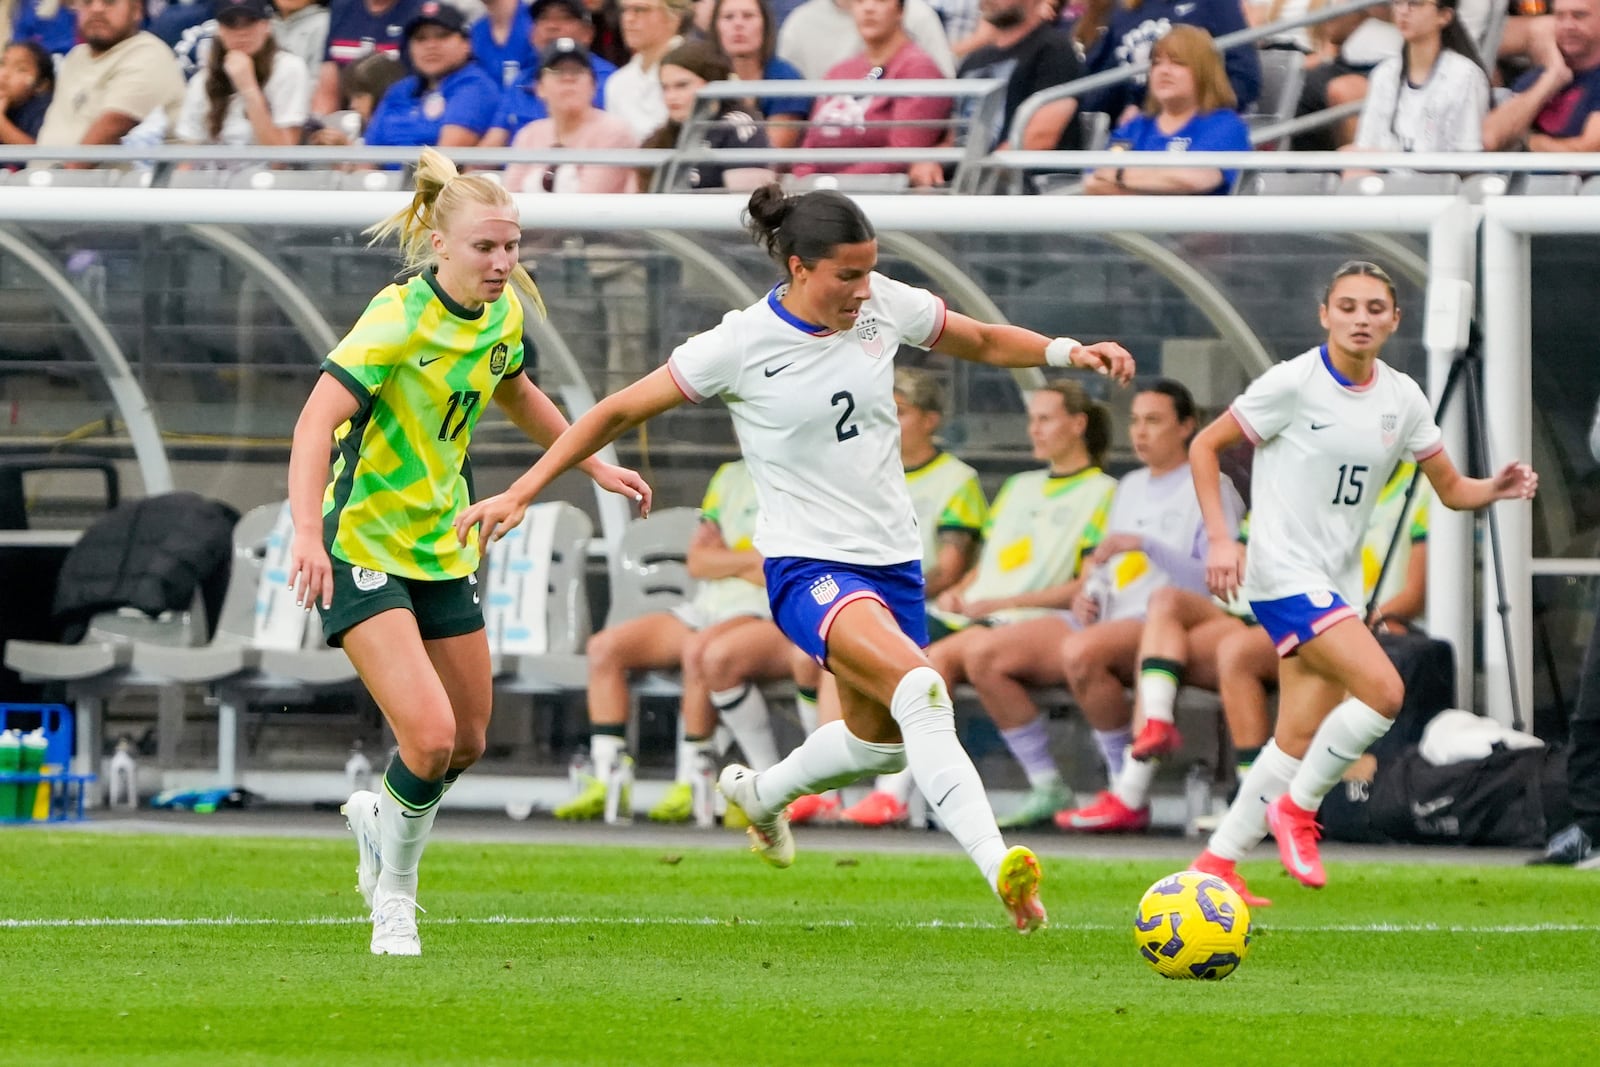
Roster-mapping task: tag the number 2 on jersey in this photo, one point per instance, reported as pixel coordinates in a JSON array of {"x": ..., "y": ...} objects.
[
  {"x": 464, "y": 402},
  {"x": 1350, "y": 484},
  {"x": 845, "y": 432}
]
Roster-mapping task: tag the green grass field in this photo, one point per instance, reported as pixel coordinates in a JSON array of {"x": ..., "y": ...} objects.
[{"x": 129, "y": 949}]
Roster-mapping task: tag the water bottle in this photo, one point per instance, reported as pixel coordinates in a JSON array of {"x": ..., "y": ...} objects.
[
  {"x": 34, "y": 746},
  {"x": 704, "y": 788},
  {"x": 619, "y": 792},
  {"x": 10, "y": 763},
  {"x": 579, "y": 771},
  {"x": 123, "y": 776},
  {"x": 1196, "y": 797},
  {"x": 357, "y": 770}
]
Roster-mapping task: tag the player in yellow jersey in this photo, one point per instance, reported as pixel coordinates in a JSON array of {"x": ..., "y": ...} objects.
[{"x": 374, "y": 547}]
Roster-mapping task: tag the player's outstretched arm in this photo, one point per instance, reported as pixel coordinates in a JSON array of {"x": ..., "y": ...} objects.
[
  {"x": 536, "y": 415},
  {"x": 1514, "y": 481},
  {"x": 602, "y": 424},
  {"x": 1014, "y": 346},
  {"x": 1224, "y": 554},
  {"x": 329, "y": 406}
]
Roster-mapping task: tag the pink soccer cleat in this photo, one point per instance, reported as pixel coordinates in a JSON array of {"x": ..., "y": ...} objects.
[
  {"x": 1107, "y": 815},
  {"x": 814, "y": 807},
  {"x": 1209, "y": 862},
  {"x": 1156, "y": 739},
  {"x": 877, "y": 809},
  {"x": 1296, "y": 832}
]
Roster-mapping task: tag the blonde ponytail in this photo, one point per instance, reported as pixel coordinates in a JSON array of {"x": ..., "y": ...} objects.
[{"x": 441, "y": 189}]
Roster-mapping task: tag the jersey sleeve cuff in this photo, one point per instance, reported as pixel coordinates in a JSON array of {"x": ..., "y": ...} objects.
[
  {"x": 690, "y": 393},
  {"x": 1244, "y": 424},
  {"x": 938, "y": 324},
  {"x": 349, "y": 381},
  {"x": 1429, "y": 452}
]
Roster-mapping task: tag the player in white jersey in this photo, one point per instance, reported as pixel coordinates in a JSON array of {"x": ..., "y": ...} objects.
[
  {"x": 807, "y": 374},
  {"x": 1326, "y": 425}
]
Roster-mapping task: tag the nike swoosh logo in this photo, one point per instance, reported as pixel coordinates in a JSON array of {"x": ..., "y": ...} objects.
[
  {"x": 947, "y": 792},
  {"x": 425, "y": 362},
  {"x": 770, "y": 371},
  {"x": 1320, "y": 425}
]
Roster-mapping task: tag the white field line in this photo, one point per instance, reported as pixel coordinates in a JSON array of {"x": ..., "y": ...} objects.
[{"x": 849, "y": 924}]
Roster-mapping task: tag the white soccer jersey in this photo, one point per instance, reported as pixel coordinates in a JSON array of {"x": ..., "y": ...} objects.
[
  {"x": 814, "y": 411},
  {"x": 1165, "y": 512},
  {"x": 1323, "y": 451}
]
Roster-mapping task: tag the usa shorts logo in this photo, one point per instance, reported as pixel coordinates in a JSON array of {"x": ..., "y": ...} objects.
[
  {"x": 367, "y": 580},
  {"x": 824, "y": 589}
]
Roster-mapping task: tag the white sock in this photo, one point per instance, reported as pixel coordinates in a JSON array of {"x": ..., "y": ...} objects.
[
  {"x": 1245, "y": 824},
  {"x": 898, "y": 786},
  {"x": 689, "y": 753},
  {"x": 1339, "y": 742},
  {"x": 1132, "y": 786},
  {"x": 401, "y": 839},
  {"x": 829, "y": 758},
  {"x": 604, "y": 752},
  {"x": 1113, "y": 749},
  {"x": 744, "y": 711},
  {"x": 1158, "y": 692},
  {"x": 943, "y": 770},
  {"x": 805, "y": 708}
]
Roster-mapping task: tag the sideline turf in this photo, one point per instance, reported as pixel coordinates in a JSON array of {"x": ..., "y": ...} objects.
[{"x": 633, "y": 956}]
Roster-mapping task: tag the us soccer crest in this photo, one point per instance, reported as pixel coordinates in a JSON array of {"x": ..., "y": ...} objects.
[
  {"x": 497, "y": 358},
  {"x": 1390, "y": 424},
  {"x": 824, "y": 589},
  {"x": 870, "y": 336}
]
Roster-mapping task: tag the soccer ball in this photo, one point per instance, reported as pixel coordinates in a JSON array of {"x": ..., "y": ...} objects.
[{"x": 1192, "y": 925}]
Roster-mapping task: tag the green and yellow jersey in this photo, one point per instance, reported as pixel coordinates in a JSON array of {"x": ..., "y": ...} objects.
[
  {"x": 422, "y": 367},
  {"x": 730, "y": 502},
  {"x": 1039, "y": 531},
  {"x": 945, "y": 495},
  {"x": 1381, "y": 526}
]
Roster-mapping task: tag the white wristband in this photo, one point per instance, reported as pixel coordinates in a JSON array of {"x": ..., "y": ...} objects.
[{"x": 1058, "y": 353}]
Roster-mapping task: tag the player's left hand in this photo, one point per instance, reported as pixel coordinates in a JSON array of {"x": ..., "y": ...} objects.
[
  {"x": 623, "y": 482},
  {"x": 1107, "y": 357},
  {"x": 1516, "y": 481},
  {"x": 494, "y": 517}
]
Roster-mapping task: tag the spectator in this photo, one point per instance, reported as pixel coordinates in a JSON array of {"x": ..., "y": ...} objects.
[
  {"x": 1344, "y": 52},
  {"x": 566, "y": 82},
  {"x": 521, "y": 104},
  {"x": 502, "y": 42},
  {"x": 1189, "y": 108},
  {"x": 1435, "y": 96},
  {"x": 449, "y": 101},
  {"x": 51, "y": 23},
  {"x": 363, "y": 85},
  {"x": 686, "y": 70},
  {"x": 877, "y": 121},
  {"x": 356, "y": 29},
  {"x": 700, "y": 20},
  {"x": 119, "y": 77},
  {"x": 607, "y": 22},
  {"x": 1554, "y": 106},
  {"x": 748, "y": 36},
  {"x": 301, "y": 29},
  {"x": 821, "y": 34},
  {"x": 250, "y": 91},
  {"x": 27, "y": 78},
  {"x": 651, "y": 29},
  {"x": 1040, "y": 531},
  {"x": 1134, "y": 28},
  {"x": 1030, "y": 55}
]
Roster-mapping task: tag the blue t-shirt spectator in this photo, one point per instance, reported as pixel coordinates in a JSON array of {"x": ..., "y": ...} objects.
[
  {"x": 782, "y": 70},
  {"x": 355, "y": 33},
  {"x": 58, "y": 33},
  {"x": 1208, "y": 131},
  {"x": 1131, "y": 32},
  {"x": 28, "y": 116},
  {"x": 505, "y": 63},
  {"x": 1566, "y": 112},
  {"x": 411, "y": 115},
  {"x": 520, "y": 104}
]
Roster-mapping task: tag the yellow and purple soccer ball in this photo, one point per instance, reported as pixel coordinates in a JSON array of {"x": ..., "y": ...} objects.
[{"x": 1192, "y": 925}]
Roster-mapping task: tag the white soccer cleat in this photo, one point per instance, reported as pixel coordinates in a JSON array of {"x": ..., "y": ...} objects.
[
  {"x": 394, "y": 927},
  {"x": 770, "y": 836},
  {"x": 361, "y": 814}
]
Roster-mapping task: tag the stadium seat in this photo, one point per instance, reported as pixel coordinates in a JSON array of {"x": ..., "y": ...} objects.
[
  {"x": 849, "y": 183},
  {"x": 1590, "y": 187},
  {"x": 1479, "y": 187},
  {"x": 1282, "y": 71},
  {"x": 1096, "y": 127},
  {"x": 1287, "y": 183},
  {"x": 262, "y": 178},
  {"x": 197, "y": 179},
  {"x": 48, "y": 177},
  {"x": 1402, "y": 184},
  {"x": 536, "y": 607},
  {"x": 373, "y": 181},
  {"x": 1546, "y": 184}
]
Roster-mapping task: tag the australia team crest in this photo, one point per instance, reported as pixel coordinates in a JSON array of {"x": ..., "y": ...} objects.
[
  {"x": 870, "y": 335},
  {"x": 497, "y": 358}
]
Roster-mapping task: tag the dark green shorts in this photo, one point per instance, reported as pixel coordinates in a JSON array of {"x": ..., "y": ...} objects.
[{"x": 444, "y": 607}]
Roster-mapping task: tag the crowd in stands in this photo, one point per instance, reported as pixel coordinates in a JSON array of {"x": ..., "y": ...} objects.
[{"x": 1432, "y": 76}]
